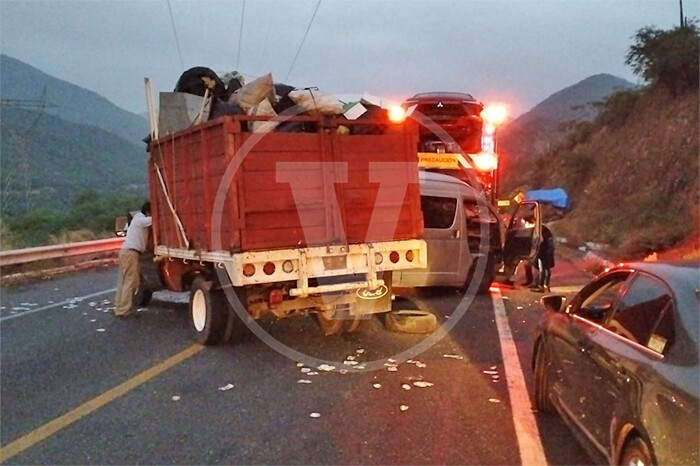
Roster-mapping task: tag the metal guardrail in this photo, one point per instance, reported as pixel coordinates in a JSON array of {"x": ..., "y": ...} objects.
[{"x": 23, "y": 256}]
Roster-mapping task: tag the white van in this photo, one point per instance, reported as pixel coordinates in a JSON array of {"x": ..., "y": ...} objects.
[{"x": 461, "y": 227}]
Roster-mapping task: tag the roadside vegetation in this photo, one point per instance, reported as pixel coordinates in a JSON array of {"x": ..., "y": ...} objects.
[
  {"x": 91, "y": 216},
  {"x": 632, "y": 172}
]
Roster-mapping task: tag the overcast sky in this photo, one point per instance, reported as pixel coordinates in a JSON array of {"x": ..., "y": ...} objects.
[{"x": 513, "y": 51}]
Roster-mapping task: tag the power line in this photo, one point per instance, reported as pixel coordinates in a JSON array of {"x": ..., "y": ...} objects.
[
  {"x": 177, "y": 42},
  {"x": 240, "y": 37},
  {"x": 302, "y": 41}
]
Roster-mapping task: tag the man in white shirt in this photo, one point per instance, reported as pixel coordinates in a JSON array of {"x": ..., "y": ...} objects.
[{"x": 129, "y": 267}]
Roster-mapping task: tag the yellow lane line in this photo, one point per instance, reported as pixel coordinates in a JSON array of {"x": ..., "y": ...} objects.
[{"x": 51, "y": 427}]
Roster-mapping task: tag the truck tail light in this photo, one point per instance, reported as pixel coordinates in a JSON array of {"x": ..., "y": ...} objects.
[
  {"x": 394, "y": 257},
  {"x": 269, "y": 268},
  {"x": 288, "y": 266},
  {"x": 275, "y": 297},
  {"x": 409, "y": 255},
  {"x": 249, "y": 270}
]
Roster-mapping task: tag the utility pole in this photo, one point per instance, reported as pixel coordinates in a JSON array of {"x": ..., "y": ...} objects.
[{"x": 682, "y": 20}]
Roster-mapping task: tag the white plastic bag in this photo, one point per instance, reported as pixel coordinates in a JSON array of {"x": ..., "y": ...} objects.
[
  {"x": 254, "y": 93},
  {"x": 264, "y": 108},
  {"x": 316, "y": 102}
]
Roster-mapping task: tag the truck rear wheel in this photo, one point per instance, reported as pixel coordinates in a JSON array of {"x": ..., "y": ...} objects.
[
  {"x": 208, "y": 312},
  {"x": 338, "y": 320}
]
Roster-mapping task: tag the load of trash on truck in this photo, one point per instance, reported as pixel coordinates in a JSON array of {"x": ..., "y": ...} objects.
[{"x": 201, "y": 95}]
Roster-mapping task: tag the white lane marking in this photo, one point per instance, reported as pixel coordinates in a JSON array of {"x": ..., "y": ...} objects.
[
  {"x": 529, "y": 440},
  {"x": 63, "y": 303}
]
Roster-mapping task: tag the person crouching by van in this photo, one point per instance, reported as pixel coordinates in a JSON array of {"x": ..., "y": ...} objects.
[
  {"x": 129, "y": 265},
  {"x": 545, "y": 260}
]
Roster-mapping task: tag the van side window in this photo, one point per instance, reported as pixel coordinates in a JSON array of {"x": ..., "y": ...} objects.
[{"x": 438, "y": 212}]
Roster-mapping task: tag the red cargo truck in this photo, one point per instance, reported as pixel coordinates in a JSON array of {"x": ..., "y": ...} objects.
[{"x": 285, "y": 222}]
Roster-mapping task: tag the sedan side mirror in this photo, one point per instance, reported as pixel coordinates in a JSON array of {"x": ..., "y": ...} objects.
[{"x": 554, "y": 303}]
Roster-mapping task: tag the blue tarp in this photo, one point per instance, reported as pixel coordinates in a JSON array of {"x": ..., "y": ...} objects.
[{"x": 556, "y": 197}]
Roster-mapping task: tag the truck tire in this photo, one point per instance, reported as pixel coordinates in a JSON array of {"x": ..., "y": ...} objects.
[
  {"x": 208, "y": 312},
  {"x": 235, "y": 327},
  {"x": 333, "y": 321},
  {"x": 410, "y": 321}
]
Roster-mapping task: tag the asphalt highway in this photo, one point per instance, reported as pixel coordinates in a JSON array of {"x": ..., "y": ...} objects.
[{"x": 78, "y": 386}]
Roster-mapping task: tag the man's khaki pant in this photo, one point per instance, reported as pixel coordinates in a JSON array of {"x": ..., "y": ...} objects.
[{"x": 127, "y": 281}]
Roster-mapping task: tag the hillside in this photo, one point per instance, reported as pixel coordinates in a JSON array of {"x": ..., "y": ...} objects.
[
  {"x": 534, "y": 132},
  {"x": 64, "y": 159},
  {"x": 632, "y": 173},
  {"x": 21, "y": 81}
]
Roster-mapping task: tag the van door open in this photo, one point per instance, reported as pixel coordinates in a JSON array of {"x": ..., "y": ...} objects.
[{"x": 522, "y": 237}]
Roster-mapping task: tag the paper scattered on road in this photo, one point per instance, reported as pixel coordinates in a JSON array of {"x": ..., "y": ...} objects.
[
  {"x": 350, "y": 363},
  {"x": 305, "y": 370},
  {"x": 377, "y": 385},
  {"x": 350, "y": 358},
  {"x": 403, "y": 408},
  {"x": 391, "y": 360},
  {"x": 315, "y": 415},
  {"x": 324, "y": 367},
  {"x": 519, "y": 307},
  {"x": 392, "y": 368},
  {"x": 300, "y": 364},
  {"x": 452, "y": 356},
  {"x": 175, "y": 398},
  {"x": 100, "y": 330},
  {"x": 490, "y": 372},
  {"x": 421, "y": 364},
  {"x": 141, "y": 309},
  {"x": 312, "y": 373},
  {"x": 343, "y": 371},
  {"x": 494, "y": 400},
  {"x": 303, "y": 381},
  {"x": 422, "y": 384},
  {"x": 92, "y": 304},
  {"x": 359, "y": 351},
  {"x": 226, "y": 387}
]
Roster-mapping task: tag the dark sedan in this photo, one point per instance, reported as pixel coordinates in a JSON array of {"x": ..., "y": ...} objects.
[{"x": 619, "y": 363}]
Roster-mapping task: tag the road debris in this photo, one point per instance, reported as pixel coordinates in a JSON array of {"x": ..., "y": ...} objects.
[
  {"x": 324, "y": 367},
  {"x": 350, "y": 363},
  {"x": 93, "y": 320},
  {"x": 343, "y": 371},
  {"x": 423, "y": 384},
  {"x": 226, "y": 387},
  {"x": 377, "y": 385},
  {"x": 406, "y": 386},
  {"x": 494, "y": 400},
  {"x": 452, "y": 356},
  {"x": 490, "y": 372},
  {"x": 92, "y": 304},
  {"x": 303, "y": 381},
  {"x": 315, "y": 415},
  {"x": 519, "y": 307},
  {"x": 403, "y": 408},
  {"x": 392, "y": 368},
  {"x": 350, "y": 358},
  {"x": 175, "y": 398},
  {"x": 312, "y": 373},
  {"x": 359, "y": 351},
  {"x": 306, "y": 370},
  {"x": 100, "y": 330},
  {"x": 421, "y": 364},
  {"x": 300, "y": 364}
]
